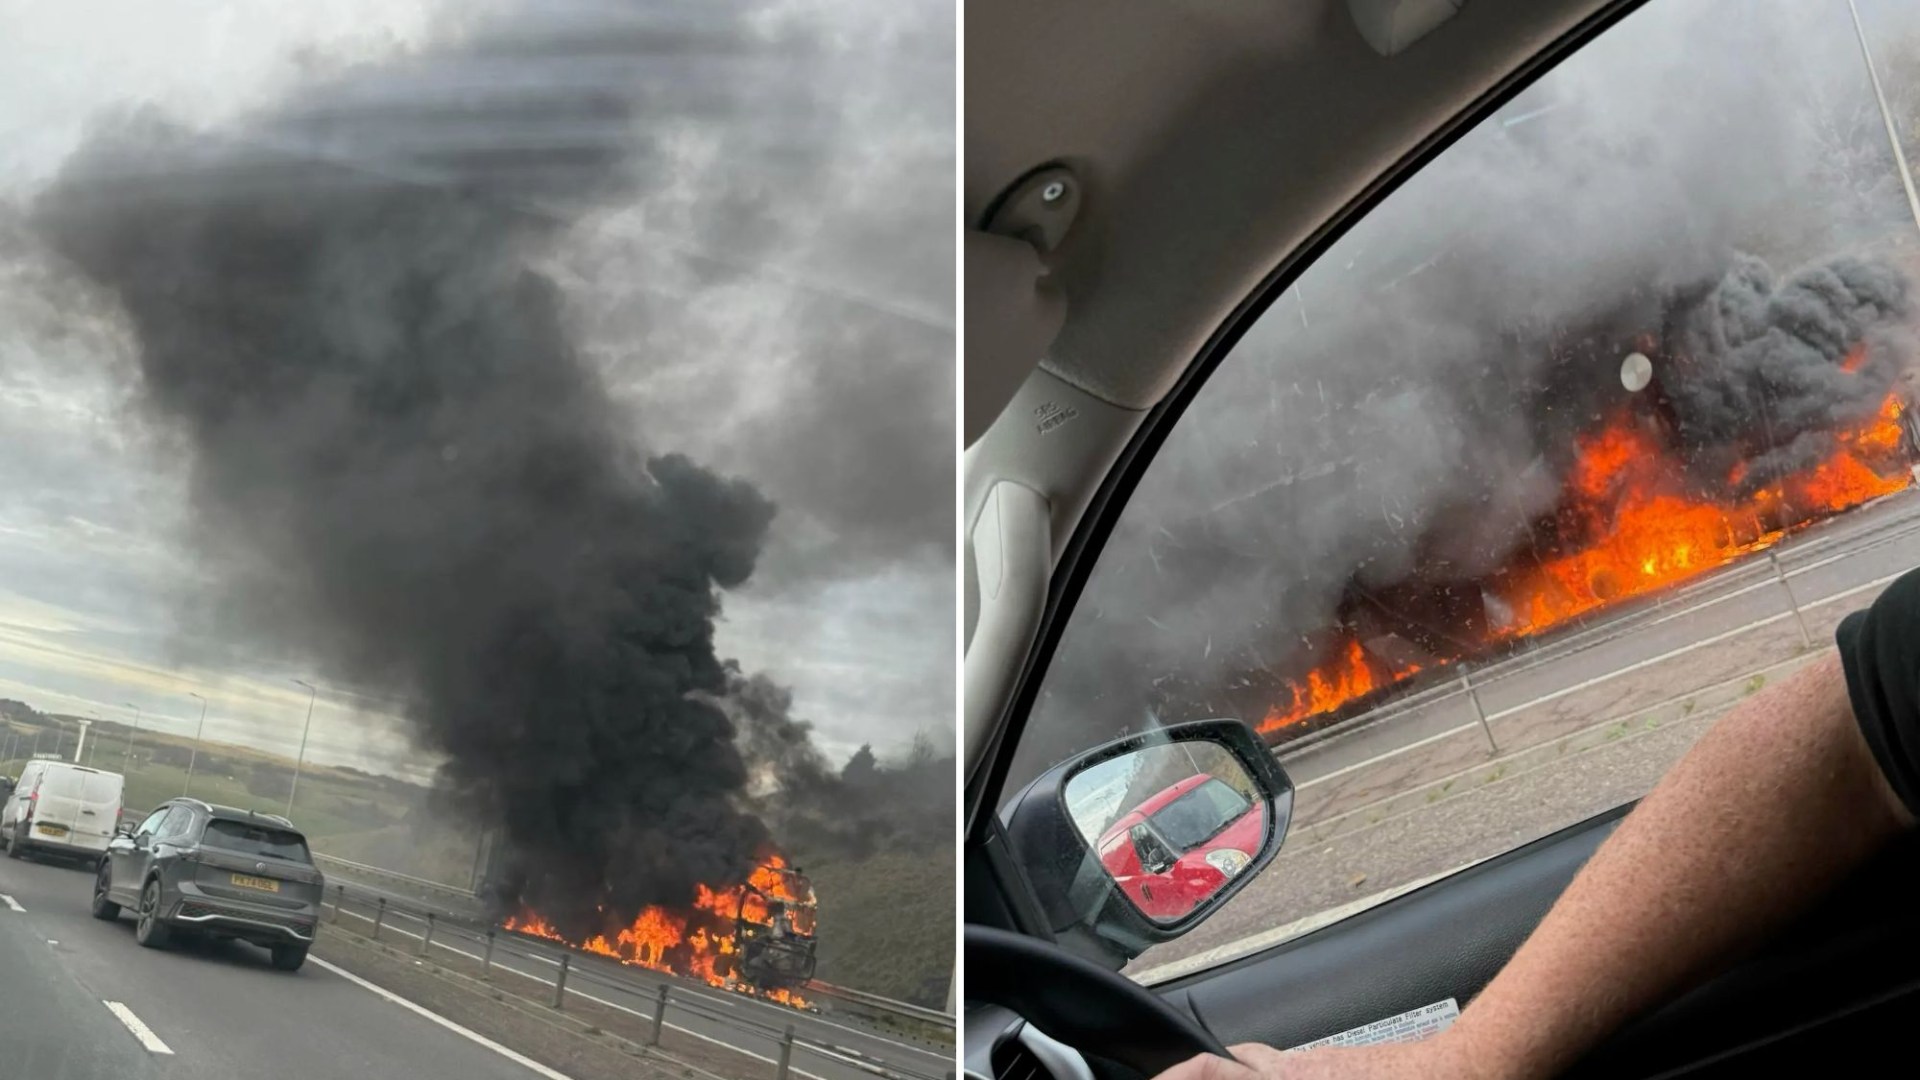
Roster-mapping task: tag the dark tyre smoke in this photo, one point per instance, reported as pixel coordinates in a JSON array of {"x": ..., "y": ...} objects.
[{"x": 1761, "y": 373}]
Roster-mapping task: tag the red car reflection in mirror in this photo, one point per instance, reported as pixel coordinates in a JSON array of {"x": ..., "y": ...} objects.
[{"x": 1183, "y": 844}]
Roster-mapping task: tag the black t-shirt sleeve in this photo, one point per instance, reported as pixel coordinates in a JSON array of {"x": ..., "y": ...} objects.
[{"x": 1880, "y": 652}]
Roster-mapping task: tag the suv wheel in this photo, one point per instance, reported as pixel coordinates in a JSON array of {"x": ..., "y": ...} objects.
[
  {"x": 103, "y": 908},
  {"x": 289, "y": 957},
  {"x": 150, "y": 931}
]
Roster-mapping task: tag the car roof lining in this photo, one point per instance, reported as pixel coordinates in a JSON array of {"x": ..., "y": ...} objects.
[{"x": 1210, "y": 139}]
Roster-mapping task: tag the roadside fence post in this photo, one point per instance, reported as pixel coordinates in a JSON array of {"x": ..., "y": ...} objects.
[
  {"x": 486, "y": 960},
  {"x": 560, "y": 983},
  {"x": 339, "y": 900},
  {"x": 659, "y": 1016},
  {"x": 1479, "y": 711},
  {"x": 379, "y": 916},
  {"x": 426, "y": 939},
  {"x": 1806, "y": 639},
  {"x": 786, "y": 1054}
]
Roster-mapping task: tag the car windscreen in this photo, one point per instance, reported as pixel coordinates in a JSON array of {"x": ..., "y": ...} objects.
[
  {"x": 257, "y": 840},
  {"x": 1194, "y": 818}
]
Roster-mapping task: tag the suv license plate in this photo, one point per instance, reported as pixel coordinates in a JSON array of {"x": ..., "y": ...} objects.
[{"x": 261, "y": 883}]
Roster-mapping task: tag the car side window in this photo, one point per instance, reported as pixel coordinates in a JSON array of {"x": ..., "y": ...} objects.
[
  {"x": 1595, "y": 425},
  {"x": 1154, "y": 856},
  {"x": 152, "y": 824},
  {"x": 176, "y": 824}
]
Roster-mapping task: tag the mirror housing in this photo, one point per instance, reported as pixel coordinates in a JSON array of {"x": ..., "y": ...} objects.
[
  {"x": 123, "y": 828},
  {"x": 1084, "y": 908}
]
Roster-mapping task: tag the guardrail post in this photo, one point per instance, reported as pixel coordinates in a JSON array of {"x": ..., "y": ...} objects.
[
  {"x": 486, "y": 960},
  {"x": 1806, "y": 639},
  {"x": 339, "y": 899},
  {"x": 560, "y": 983},
  {"x": 426, "y": 939},
  {"x": 659, "y": 1016},
  {"x": 1479, "y": 711},
  {"x": 786, "y": 1054},
  {"x": 379, "y": 916}
]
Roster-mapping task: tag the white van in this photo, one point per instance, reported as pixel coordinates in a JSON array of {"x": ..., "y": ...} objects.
[{"x": 62, "y": 809}]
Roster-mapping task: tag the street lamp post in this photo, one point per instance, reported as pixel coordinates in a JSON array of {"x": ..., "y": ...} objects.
[
  {"x": 126, "y": 758},
  {"x": 193, "y": 758},
  {"x": 312, "y": 693},
  {"x": 1886, "y": 117}
]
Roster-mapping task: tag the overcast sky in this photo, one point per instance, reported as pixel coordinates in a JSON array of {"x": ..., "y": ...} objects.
[{"x": 805, "y": 345}]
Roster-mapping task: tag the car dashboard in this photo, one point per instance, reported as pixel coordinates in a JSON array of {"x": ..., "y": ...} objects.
[{"x": 1001, "y": 1045}]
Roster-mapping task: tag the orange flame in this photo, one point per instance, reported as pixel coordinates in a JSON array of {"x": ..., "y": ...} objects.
[
  {"x": 1351, "y": 675},
  {"x": 695, "y": 942},
  {"x": 1642, "y": 535}
]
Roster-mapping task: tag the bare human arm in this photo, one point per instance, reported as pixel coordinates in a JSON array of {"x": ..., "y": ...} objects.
[{"x": 1765, "y": 814}]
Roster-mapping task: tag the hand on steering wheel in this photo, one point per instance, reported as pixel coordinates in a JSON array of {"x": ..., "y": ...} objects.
[{"x": 1080, "y": 1003}]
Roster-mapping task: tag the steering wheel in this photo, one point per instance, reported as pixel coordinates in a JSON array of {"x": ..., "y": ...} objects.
[{"x": 1081, "y": 1003}]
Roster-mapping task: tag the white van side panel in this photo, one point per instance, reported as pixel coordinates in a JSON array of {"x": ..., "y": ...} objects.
[{"x": 16, "y": 803}]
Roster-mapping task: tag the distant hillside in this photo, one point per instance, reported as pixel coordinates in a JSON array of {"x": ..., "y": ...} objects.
[{"x": 886, "y": 924}]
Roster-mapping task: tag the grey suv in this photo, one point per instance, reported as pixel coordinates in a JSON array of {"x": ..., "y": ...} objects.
[{"x": 193, "y": 866}]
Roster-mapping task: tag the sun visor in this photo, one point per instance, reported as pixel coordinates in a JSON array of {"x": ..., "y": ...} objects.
[
  {"x": 1391, "y": 26},
  {"x": 1013, "y": 313}
]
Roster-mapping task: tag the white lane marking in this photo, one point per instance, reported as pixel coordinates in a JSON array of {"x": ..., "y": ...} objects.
[
  {"x": 1384, "y": 755},
  {"x": 12, "y": 904},
  {"x": 531, "y": 977},
  {"x": 139, "y": 1028},
  {"x": 1704, "y": 642},
  {"x": 464, "y": 1032}
]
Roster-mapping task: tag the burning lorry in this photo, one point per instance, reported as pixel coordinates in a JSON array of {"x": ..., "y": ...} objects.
[
  {"x": 756, "y": 937},
  {"x": 773, "y": 931}
]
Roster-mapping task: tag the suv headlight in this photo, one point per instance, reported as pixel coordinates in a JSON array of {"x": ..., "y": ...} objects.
[{"x": 1229, "y": 861}]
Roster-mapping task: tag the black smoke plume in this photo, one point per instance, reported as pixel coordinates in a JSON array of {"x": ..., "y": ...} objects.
[
  {"x": 861, "y": 807},
  {"x": 1760, "y": 370},
  {"x": 400, "y": 464}
]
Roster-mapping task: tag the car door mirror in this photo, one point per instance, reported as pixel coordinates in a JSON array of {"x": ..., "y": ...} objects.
[
  {"x": 123, "y": 828},
  {"x": 1137, "y": 841}
]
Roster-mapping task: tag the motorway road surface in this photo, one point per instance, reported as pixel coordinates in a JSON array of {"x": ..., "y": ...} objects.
[
  {"x": 221, "y": 1011},
  {"x": 828, "y": 1048}
]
